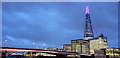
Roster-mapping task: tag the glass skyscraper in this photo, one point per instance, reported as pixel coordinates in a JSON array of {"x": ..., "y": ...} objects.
[{"x": 88, "y": 26}]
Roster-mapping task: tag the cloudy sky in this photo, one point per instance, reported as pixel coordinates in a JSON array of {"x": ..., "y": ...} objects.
[{"x": 47, "y": 24}]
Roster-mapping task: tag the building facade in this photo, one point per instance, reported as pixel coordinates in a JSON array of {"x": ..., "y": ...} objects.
[
  {"x": 51, "y": 49},
  {"x": 98, "y": 43},
  {"x": 67, "y": 47},
  {"x": 109, "y": 52},
  {"x": 112, "y": 52},
  {"x": 62, "y": 50},
  {"x": 80, "y": 46}
]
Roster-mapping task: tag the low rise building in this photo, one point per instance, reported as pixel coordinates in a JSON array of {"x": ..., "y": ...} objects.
[
  {"x": 98, "y": 43},
  {"x": 62, "y": 50},
  {"x": 112, "y": 52},
  {"x": 80, "y": 46},
  {"x": 67, "y": 48},
  {"x": 51, "y": 49}
]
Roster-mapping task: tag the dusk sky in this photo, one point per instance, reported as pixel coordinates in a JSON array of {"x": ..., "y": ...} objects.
[{"x": 47, "y": 24}]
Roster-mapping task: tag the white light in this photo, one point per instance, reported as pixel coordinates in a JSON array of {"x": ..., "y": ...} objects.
[
  {"x": 6, "y": 40},
  {"x": 44, "y": 44},
  {"x": 33, "y": 43}
]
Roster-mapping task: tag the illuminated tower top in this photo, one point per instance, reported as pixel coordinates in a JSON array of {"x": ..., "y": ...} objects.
[
  {"x": 88, "y": 34},
  {"x": 87, "y": 10}
]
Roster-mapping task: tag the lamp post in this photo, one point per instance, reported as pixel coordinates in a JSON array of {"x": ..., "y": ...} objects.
[{"x": 6, "y": 43}]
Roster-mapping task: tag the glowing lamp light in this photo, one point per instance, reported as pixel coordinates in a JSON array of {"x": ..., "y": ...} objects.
[
  {"x": 6, "y": 40},
  {"x": 44, "y": 44},
  {"x": 33, "y": 43}
]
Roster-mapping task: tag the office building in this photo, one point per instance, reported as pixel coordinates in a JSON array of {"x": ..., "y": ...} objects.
[
  {"x": 98, "y": 43},
  {"x": 67, "y": 48},
  {"x": 88, "y": 33},
  {"x": 51, "y": 49},
  {"x": 80, "y": 46}
]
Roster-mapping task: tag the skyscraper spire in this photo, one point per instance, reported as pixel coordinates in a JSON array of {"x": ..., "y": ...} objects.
[
  {"x": 87, "y": 10},
  {"x": 88, "y": 34}
]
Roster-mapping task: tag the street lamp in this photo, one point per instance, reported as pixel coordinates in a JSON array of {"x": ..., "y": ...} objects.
[
  {"x": 44, "y": 44},
  {"x": 33, "y": 43},
  {"x": 6, "y": 43}
]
